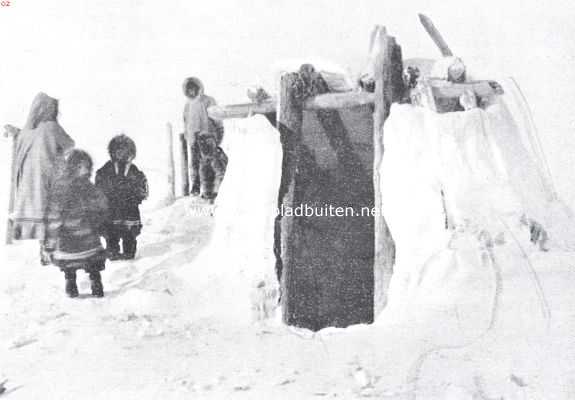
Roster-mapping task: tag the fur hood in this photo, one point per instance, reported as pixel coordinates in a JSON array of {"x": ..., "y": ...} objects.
[
  {"x": 196, "y": 81},
  {"x": 44, "y": 108},
  {"x": 122, "y": 142}
]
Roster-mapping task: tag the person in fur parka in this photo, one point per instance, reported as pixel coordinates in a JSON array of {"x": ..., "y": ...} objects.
[
  {"x": 39, "y": 151},
  {"x": 204, "y": 135},
  {"x": 126, "y": 187},
  {"x": 76, "y": 213}
]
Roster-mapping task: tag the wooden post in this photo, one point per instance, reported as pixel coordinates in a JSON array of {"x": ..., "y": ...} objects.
[
  {"x": 184, "y": 169},
  {"x": 9, "y": 221},
  {"x": 12, "y": 133},
  {"x": 388, "y": 88},
  {"x": 171, "y": 166},
  {"x": 324, "y": 260},
  {"x": 289, "y": 124}
]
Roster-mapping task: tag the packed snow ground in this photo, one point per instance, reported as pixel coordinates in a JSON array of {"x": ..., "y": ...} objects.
[
  {"x": 157, "y": 334},
  {"x": 179, "y": 321}
]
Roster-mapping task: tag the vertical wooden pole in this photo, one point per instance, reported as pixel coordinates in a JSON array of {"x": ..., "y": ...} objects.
[
  {"x": 171, "y": 166},
  {"x": 289, "y": 124},
  {"x": 388, "y": 88},
  {"x": 9, "y": 221},
  {"x": 184, "y": 171},
  {"x": 12, "y": 133}
]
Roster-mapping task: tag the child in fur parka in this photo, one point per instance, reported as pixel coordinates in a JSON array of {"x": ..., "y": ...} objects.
[
  {"x": 126, "y": 187},
  {"x": 76, "y": 214}
]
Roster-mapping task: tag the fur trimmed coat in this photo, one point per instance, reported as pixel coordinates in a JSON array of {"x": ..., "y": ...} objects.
[
  {"x": 77, "y": 214},
  {"x": 196, "y": 120},
  {"x": 126, "y": 187},
  {"x": 38, "y": 157}
]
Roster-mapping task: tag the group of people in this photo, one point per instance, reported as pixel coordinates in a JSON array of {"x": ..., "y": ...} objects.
[{"x": 55, "y": 201}]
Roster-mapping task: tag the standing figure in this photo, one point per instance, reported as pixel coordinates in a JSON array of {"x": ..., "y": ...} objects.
[
  {"x": 39, "y": 153},
  {"x": 77, "y": 213},
  {"x": 204, "y": 135},
  {"x": 126, "y": 187}
]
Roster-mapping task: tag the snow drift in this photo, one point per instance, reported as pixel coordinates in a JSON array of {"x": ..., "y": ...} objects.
[
  {"x": 239, "y": 257},
  {"x": 470, "y": 206}
]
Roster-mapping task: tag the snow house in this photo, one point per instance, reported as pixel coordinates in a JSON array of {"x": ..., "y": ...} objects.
[{"x": 334, "y": 253}]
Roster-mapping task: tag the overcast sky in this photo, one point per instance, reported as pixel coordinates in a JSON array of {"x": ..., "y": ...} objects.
[{"x": 118, "y": 65}]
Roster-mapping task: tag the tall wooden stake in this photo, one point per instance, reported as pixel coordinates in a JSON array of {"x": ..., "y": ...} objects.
[
  {"x": 388, "y": 88},
  {"x": 184, "y": 171},
  {"x": 12, "y": 133},
  {"x": 289, "y": 124},
  {"x": 9, "y": 221},
  {"x": 171, "y": 166}
]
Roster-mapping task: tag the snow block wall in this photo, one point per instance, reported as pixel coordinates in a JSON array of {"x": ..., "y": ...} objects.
[
  {"x": 233, "y": 276},
  {"x": 325, "y": 262}
]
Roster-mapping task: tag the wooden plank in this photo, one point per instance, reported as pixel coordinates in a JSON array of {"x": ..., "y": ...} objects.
[{"x": 326, "y": 260}]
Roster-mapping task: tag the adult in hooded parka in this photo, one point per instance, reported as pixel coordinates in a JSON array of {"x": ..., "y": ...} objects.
[{"x": 40, "y": 148}]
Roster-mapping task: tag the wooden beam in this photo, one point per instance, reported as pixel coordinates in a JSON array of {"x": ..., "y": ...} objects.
[
  {"x": 328, "y": 101},
  {"x": 334, "y": 101},
  {"x": 442, "y": 96},
  {"x": 241, "y": 110},
  {"x": 445, "y": 90}
]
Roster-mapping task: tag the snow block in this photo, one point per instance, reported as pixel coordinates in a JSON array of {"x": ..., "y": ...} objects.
[{"x": 325, "y": 257}]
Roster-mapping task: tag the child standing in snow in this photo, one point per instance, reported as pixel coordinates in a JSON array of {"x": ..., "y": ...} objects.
[
  {"x": 76, "y": 213},
  {"x": 126, "y": 187}
]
